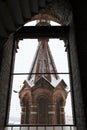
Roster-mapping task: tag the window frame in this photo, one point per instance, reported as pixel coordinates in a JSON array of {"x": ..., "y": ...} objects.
[{"x": 61, "y": 32}]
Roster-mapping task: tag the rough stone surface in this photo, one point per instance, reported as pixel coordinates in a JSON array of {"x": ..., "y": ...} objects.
[
  {"x": 4, "y": 79},
  {"x": 76, "y": 84}
]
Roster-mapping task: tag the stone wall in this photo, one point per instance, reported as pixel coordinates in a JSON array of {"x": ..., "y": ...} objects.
[
  {"x": 5, "y": 71},
  {"x": 77, "y": 99}
]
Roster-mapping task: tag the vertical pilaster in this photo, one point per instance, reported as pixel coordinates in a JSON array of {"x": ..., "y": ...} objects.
[{"x": 62, "y": 115}]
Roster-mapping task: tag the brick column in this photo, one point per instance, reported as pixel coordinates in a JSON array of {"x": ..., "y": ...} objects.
[
  {"x": 62, "y": 115},
  {"x": 33, "y": 114},
  {"x": 23, "y": 115}
]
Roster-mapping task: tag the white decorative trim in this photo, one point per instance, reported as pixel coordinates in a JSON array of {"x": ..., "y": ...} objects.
[
  {"x": 51, "y": 112},
  {"x": 33, "y": 106},
  {"x": 62, "y": 112},
  {"x": 33, "y": 113}
]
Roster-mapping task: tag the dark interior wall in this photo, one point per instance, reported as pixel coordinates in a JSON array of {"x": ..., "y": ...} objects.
[
  {"x": 76, "y": 88},
  {"x": 5, "y": 71},
  {"x": 80, "y": 24}
]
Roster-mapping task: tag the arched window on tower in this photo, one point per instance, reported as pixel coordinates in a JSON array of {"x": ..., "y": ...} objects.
[{"x": 42, "y": 110}]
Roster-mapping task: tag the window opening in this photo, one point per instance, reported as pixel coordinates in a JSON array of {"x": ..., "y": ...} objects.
[
  {"x": 42, "y": 110},
  {"x": 24, "y": 70}
]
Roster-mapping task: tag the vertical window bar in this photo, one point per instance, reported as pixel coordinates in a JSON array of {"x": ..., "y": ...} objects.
[
  {"x": 45, "y": 128},
  {"x": 71, "y": 82},
  {"x": 11, "y": 127},
  {"x": 70, "y": 128},
  {"x": 62, "y": 127},
  {"x": 53, "y": 128},
  {"x": 20, "y": 127},
  {"x": 28, "y": 127}
]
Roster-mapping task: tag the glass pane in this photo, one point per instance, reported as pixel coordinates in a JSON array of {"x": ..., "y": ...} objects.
[
  {"x": 15, "y": 102},
  {"x": 18, "y": 83},
  {"x": 34, "y": 22},
  {"x": 16, "y": 128},
  {"x": 25, "y": 55},
  {"x": 24, "y": 128},
  {"x": 66, "y": 128},
  {"x": 32, "y": 128},
  {"x": 41, "y": 128},
  {"x": 55, "y": 56},
  {"x": 49, "y": 128},
  {"x": 8, "y": 128},
  {"x": 73, "y": 128},
  {"x": 59, "y": 55},
  {"x": 58, "y": 127},
  {"x": 68, "y": 105}
]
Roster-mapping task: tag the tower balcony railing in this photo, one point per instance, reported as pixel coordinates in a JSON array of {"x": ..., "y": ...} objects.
[{"x": 40, "y": 127}]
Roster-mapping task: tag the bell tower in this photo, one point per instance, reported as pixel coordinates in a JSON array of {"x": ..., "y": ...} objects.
[{"x": 42, "y": 102}]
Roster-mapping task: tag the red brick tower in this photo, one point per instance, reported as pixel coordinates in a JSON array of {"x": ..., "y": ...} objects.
[{"x": 41, "y": 102}]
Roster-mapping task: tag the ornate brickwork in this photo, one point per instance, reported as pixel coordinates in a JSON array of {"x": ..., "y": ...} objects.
[{"x": 43, "y": 103}]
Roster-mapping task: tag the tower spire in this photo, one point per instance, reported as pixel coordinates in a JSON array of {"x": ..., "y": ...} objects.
[{"x": 43, "y": 64}]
